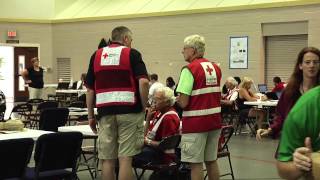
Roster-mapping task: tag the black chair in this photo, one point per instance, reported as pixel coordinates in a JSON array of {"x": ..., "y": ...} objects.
[
  {"x": 74, "y": 85},
  {"x": 89, "y": 157},
  {"x": 23, "y": 110},
  {"x": 55, "y": 154},
  {"x": 52, "y": 118},
  {"x": 223, "y": 150},
  {"x": 171, "y": 142},
  {"x": 35, "y": 117},
  {"x": 15, "y": 155},
  {"x": 230, "y": 114},
  {"x": 59, "y": 96},
  {"x": 244, "y": 119},
  {"x": 35, "y": 102},
  {"x": 77, "y": 104}
]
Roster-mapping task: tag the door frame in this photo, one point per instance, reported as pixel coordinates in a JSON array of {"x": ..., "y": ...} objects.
[{"x": 23, "y": 45}]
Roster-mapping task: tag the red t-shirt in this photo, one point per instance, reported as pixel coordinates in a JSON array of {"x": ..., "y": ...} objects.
[
  {"x": 168, "y": 127},
  {"x": 279, "y": 87}
]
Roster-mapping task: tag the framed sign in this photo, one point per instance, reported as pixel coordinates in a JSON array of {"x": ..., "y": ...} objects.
[{"x": 238, "y": 57}]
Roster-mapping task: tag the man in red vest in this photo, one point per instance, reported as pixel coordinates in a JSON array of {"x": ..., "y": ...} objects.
[
  {"x": 117, "y": 84},
  {"x": 199, "y": 96}
]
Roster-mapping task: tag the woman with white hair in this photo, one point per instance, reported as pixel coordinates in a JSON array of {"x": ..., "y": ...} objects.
[
  {"x": 161, "y": 121},
  {"x": 232, "y": 92}
]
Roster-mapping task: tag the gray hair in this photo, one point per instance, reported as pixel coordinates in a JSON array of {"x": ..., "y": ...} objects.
[
  {"x": 195, "y": 41},
  {"x": 232, "y": 81},
  {"x": 168, "y": 94},
  {"x": 119, "y": 33}
]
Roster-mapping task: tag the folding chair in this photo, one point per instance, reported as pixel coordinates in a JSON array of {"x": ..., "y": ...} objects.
[
  {"x": 243, "y": 120},
  {"x": 23, "y": 111},
  {"x": 89, "y": 153},
  {"x": 34, "y": 117},
  {"x": 75, "y": 104},
  {"x": 171, "y": 142},
  {"x": 230, "y": 114},
  {"x": 223, "y": 150},
  {"x": 15, "y": 155},
  {"x": 52, "y": 118},
  {"x": 35, "y": 102},
  {"x": 55, "y": 154}
]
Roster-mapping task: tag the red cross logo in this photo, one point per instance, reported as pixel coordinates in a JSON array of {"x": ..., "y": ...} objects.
[
  {"x": 105, "y": 55},
  {"x": 209, "y": 69}
]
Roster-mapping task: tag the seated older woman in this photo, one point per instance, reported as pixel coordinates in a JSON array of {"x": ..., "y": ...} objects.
[
  {"x": 246, "y": 95},
  {"x": 232, "y": 93},
  {"x": 161, "y": 121}
]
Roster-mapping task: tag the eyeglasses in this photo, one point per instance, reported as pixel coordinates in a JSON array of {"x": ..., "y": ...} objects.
[
  {"x": 308, "y": 62},
  {"x": 187, "y": 47}
]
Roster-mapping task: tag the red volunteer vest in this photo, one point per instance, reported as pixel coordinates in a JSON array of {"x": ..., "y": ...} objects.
[
  {"x": 114, "y": 83},
  {"x": 203, "y": 110}
]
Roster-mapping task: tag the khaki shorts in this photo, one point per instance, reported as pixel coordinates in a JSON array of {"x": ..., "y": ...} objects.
[
  {"x": 120, "y": 135},
  {"x": 35, "y": 93},
  {"x": 199, "y": 147}
]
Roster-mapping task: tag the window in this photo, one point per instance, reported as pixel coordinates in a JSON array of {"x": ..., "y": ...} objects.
[{"x": 64, "y": 69}]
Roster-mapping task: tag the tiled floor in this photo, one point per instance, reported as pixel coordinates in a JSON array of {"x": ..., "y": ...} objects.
[{"x": 251, "y": 160}]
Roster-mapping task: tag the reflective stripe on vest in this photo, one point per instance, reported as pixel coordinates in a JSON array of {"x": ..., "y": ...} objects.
[
  {"x": 205, "y": 90},
  {"x": 115, "y": 97},
  {"x": 201, "y": 112}
]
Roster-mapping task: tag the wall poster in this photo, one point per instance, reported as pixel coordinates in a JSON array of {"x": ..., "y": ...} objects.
[{"x": 238, "y": 57}]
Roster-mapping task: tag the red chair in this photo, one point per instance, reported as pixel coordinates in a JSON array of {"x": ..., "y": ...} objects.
[{"x": 223, "y": 150}]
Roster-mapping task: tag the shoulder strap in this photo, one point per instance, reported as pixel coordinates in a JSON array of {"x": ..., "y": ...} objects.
[{"x": 157, "y": 124}]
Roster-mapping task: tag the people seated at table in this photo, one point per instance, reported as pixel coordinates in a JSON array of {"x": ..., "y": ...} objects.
[
  {"x": 82, "y": 83},
  {"x": 238, "y": 79},
  {"x": 228, "y": 99},
  {"x": 245, "y": 94},
  {"x": 161, "y": 121},
  {"x": 305, "y": 76},
  {"x": 278, "y": 86}
]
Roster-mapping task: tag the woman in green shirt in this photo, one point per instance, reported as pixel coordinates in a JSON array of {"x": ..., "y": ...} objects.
[{"x": 300, "y": 136}]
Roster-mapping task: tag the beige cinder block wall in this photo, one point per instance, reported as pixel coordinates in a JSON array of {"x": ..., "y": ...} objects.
[
  {"x": 33, "y": 33},
  {"x": 160, "y": 39}
]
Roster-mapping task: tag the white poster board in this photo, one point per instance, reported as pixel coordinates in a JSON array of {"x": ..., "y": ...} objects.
[{"x": 238, "y": 58}]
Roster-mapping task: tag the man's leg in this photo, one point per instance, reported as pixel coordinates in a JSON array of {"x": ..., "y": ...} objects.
[
  {"x": 107, "y": 146},
  {"x": 212, "y": 170},
  {"x": 211, "y": 154},
  {"x": 196, "y": 171},
  {"x": 130, "y": 139},
  {"x": 108, "y": 169},
  {"x": 192, "y": 151},
  {"x": 125, "y": 169}
]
